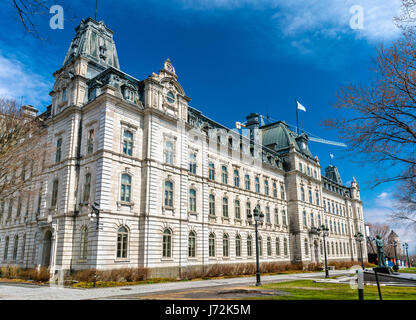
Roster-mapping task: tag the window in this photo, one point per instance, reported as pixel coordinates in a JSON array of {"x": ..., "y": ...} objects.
[
  {"x": 310, "y": 196},
  {"x": 324, "y": 206},
  {"x": 90, "y": 142},
  {"x": 170, "y": 97},
  {"x": 268, "y": 215},
  {"x": 211, "y": 171},
  {"x": 247, "y": 182},
  {"x": 192, "y": 200},
  {"x": 169, "y": 152},
  {"x": 302, "y": 193},
  {"x": 211, "y": 245},
  {"x": 125, "y": 187},
  {"x": 167, "y": 244},
  {"x": 211, "y": 205},
  {"x": 269, "y": 246},
  {"x": 285, "y": 248},
  {"x": 238, "y": 246},
  {"x": 306, "y": 247},
  {"x": 277, "y": 247},
  {"x": 192, "y": 163},
  {"x": 237, "y": 209},
  {"x": 15, "y": 247},
  {"x": 23, "y": 247},
  {"x": 58, "y": 150},
  {"x": 2, "y": 211},
  {"x": 257, "y": 181},
  {"x": 312, "y": 220},
  {"x": 274, "y": 190},
  {"x": 6, "y": 248},
  {"x": 319, "y": 221},
  {"x": 305, "y": 223},
  {"x": 191, "y": 245},
  {"x": 19, "y": 206},
  {"x": 224, "y": 175},
  {"x": 54, "y": 193},
  {"x": 282, "y": 191},
  {"x": 266, "y": 187},
  {"x": 260, "y": 245},
  {"x": 276, "y": 217},
  {"x": 84, "y": 243},
  {"x": 10, "y": 211},
  {"x": 168, "y": 194},
  {"x": 249, "y": 246},
  {"x": 309, "y": 171},
  {"x": 128, "y": 142},
  {"x": 248, "y": 208},
  {"x": 87, "y": 188},
  {"x": 236, "y": 178},
  {"x": 284, "y": 218},
  {"x": 317, "y": 198},
  {"x": 122, "y": 242},
  {"x": 225, "y": 207},
  {"x": 64, "y": 95},
  {"x": 300, "y": 167}
]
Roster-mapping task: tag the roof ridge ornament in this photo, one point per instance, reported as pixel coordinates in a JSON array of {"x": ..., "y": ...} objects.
[{"x": 168, "y": 66}]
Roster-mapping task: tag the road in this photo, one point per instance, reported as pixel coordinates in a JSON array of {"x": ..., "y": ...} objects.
[{"x": 17, "y": 291}]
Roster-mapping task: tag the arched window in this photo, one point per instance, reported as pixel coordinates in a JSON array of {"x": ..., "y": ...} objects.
[
  {"x": 128, "y": 142},
  {"x": 6, "y": 248},
  {"x": 211, "y": 205},
  {"x": 192, "y": 200},
  {"x": 225, "y": 207},
  {"x": 125, "y": 187},
  {"x": 15, "y": 247},
  {"x": 225, "y": 245},
  {"x": 306, "y": 247},
  {"x": 167, "y": 244},
  {"x": 249, "y": 246},
  {"x": 168, "y": 193},
  {"x": 84, "y": 243},
  {"x": 269, "y": 246},
  {"x": 277, "y": 246},
  {"x": 87, "y": 188},
  {"x": 192, "y": 244},
  {"x": 238, "y": 246},
  {"x": 224, "y": 175},
  {"x": 211, "y": 245},
  {"x": 122, "y": 242}
]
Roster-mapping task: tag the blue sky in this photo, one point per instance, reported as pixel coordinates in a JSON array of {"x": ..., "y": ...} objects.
[{"x": 233, "y": 57}]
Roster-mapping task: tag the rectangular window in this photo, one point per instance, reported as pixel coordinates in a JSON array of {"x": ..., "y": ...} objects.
[
  {"x": 54, "y": 193},
  {"x": 237, "y": 209},
  {"x": 192, "y": 163},
  {"x": 211, "y": 171},
  {"x": 58, "y": 154},
  {"x": 169, "y": 152},
  {"x": 90, "y": 142},
  {"x": 128, "y": 143}
]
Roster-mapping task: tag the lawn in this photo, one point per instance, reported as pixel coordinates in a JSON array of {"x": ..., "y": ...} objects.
[
  {"x": 408, "y": 270},
  {"x": 308, "y": 290}
]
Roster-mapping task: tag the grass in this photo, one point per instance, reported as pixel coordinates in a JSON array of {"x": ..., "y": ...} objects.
[
  {"x": 308, "y": 290},
  {"x": 408, "y": 270}
]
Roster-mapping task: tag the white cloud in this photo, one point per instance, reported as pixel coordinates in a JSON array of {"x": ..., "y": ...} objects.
[{"x": 18, "y": 82}]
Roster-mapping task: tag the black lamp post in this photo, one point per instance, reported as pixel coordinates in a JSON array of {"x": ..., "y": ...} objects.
[
  {"x": 324, "y": 230},
  {"x": 406, "y": 247},
  {"x": 258, "y": 217},
  {"x": 394, "y": 244},
  {"x": 95, "y": 214},
  {"x": 359, "y": 237}
]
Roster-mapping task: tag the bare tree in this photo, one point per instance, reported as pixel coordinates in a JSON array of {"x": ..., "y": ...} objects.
[{"x": 22, "y": 148}]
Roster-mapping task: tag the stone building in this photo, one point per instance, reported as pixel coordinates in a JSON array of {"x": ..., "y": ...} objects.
[{"x": 173, "y": 187}]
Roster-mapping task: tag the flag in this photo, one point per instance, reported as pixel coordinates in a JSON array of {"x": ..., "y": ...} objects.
[{"x": 300, "y": 107}]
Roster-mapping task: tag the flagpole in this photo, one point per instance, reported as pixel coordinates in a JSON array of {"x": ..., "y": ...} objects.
[{"x": 297, "y": 122}]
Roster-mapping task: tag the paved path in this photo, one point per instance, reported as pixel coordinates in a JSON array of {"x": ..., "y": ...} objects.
[{"x": 17, "y": 291}]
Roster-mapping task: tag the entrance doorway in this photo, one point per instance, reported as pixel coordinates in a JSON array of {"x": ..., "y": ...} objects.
[{"x": 47, "y": 246}]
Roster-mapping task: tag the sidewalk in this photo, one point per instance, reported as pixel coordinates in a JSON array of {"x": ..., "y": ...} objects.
[{"x": 17, "y": 291}]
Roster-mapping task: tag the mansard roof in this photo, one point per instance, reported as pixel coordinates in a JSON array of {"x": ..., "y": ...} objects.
[{"x": 94, "y": 41}]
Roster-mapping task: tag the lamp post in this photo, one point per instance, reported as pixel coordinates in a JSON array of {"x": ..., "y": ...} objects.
[
  {"x": 394, "y": 244},
  {"x": 406, "y": 247},
  {"x": 324, "y": 230},
  {"x": 95, "y": 214},
  {"x": 258, "y": 217},
  {"x": 359, "y": 237}
]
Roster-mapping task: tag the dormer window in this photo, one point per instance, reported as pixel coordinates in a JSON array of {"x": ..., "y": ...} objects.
[
  {"x": 64, "y": 95},
  {"x": 129, "y": 94}
]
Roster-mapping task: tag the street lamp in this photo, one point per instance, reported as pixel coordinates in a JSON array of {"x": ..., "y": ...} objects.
[
  {"x": 394, "y": 244},
  {"x": 359, "y": 237},
  {"x": 258, "y": 217},
  {"x": 406, "y": 247},
  {"x": 324, "y": 230}
]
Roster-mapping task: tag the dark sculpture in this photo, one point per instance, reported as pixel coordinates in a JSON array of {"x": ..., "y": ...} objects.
[{"x": 380, "y": 252}]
